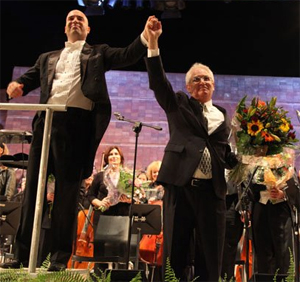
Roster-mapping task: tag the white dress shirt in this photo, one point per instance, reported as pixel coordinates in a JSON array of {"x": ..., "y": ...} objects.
[
  {"x": 215, "y": 118},
  {"x": 66, "y": 88}
]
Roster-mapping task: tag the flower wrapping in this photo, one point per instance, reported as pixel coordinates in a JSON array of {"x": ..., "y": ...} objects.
[{"x": 124, "y": 184}]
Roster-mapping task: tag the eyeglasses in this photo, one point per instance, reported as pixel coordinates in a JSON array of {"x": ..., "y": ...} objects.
[{"x": 197, "y": 79}]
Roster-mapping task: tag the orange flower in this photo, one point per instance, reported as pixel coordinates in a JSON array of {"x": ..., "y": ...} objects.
[
  {"x": 260, "y": 103},
  {"x": 267, "y": 136}
]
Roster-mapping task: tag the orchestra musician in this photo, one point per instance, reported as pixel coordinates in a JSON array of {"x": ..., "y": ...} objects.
[{"x": 98, "y": 194}]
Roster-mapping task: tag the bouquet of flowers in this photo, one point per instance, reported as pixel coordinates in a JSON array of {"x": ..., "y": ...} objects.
[
  {"x": 264, "y": 139},
  {"x": 123, "y": 186}
]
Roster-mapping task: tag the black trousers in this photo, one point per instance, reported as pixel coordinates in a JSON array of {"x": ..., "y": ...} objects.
[
  {"x": 272, "y": 237},
  {"x": 70, "y": 135},
  {"x": 194, "y": 213}
]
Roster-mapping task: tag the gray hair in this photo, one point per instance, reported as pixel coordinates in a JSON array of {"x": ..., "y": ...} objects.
[{"x": 196, "y": 66}]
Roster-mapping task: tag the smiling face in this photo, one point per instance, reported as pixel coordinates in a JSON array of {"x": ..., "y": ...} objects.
[
  {"x": 77, "y": 26},
  {"x": 200, "y": 83},
  {"x": 114, "y": 157}
]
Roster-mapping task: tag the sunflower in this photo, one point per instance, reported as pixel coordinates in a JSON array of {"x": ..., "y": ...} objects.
[{"x": 254, "y": 127}]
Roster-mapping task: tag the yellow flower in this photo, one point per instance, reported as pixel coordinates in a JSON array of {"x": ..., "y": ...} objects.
[
  {"x": 285, "y": 126},
  {"x": 254, "y": 127}
]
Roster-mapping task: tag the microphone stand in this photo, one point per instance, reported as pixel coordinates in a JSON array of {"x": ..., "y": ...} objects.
[{"x": 137, "y": 127}]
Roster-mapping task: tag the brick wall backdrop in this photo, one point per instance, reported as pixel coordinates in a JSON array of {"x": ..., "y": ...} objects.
[{"x": 130, "y": 96}]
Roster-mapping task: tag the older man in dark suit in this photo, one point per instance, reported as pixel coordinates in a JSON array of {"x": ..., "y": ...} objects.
[
  {"x": 192, "y": 169},
  {"x": 75, "y": 77}
]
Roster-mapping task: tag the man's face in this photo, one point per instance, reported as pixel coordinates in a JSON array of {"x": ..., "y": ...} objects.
[
  {"x": 77, "y": 26},
  {"x": 201, "y": 85}
]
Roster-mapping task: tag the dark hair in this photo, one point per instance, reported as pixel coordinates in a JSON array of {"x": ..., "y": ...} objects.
[
  {"x": 108, "y": 150},
  {"x": 142, "y": 172},
  {"x": 2, "y": 146}
]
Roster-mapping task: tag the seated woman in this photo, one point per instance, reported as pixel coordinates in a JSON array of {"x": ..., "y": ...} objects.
[{"x": 99, "y": 193}]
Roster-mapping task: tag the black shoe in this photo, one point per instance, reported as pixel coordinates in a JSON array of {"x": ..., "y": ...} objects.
[
  {"x": 56, "y": 266},
  {"x": 15, "y": 263}
]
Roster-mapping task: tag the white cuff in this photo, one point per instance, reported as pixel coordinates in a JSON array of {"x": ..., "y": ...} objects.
[{"x": 153, "y": 53}]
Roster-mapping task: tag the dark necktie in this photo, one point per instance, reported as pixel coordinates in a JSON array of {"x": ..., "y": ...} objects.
[
  {"x": 204, "y": 117},
  {"x": 205, "y": 162}
]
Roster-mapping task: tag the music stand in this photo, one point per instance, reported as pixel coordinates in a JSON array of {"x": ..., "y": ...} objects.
[
  {"x": 111, "y": 238},
  {"x": 10, "y": 214},
  {"x": 146, "y": 219},
  {"x": 19, "y": 160}
]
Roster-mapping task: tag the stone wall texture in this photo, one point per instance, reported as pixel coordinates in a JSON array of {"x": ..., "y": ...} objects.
[{"x": 130, "y": 96}]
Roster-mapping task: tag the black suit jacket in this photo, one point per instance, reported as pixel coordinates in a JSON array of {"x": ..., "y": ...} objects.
[
  {"x": 94, "y": 62},
  {"x": 99, "y": 191},
  {"x": 188, "y": 135}
]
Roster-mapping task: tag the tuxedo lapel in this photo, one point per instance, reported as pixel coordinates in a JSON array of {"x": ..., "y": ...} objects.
[
  {"x": 53, "y": 59},
  {"x": 85, "y": 54}
]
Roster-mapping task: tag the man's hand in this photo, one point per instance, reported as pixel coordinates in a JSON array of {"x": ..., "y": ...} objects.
[
  {"x": 15, "y": 89},
  {"x": 152, "y": 30}
]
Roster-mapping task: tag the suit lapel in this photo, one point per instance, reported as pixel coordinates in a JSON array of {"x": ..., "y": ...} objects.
[{"x": 198, "y": 112}]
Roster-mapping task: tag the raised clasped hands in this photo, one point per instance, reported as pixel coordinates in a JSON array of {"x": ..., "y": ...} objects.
[
  {"x": 153, "y": 29},
  {"x": 15, "y": 89}
]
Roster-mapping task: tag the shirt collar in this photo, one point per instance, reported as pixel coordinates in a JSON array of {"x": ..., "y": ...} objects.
[
  {"x": 75, "y": 45},
  {"x": 208, "y": 105}
]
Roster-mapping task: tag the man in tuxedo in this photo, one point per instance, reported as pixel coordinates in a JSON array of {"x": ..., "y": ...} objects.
[
  {"x": 75, "y": 77},
  {"x": 194, "y": 198}
]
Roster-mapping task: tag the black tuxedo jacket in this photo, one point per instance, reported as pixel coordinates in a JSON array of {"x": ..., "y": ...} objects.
[
  {"x": 94, "y": 62},
  {"x": 188, "y": 135}
]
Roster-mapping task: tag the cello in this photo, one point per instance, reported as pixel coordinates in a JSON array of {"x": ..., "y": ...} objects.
[
  {"x": 151, "y": 246},
  {"x": 84, "y": 242}
]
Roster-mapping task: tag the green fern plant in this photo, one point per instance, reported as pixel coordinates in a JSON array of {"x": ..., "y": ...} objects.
[
  {"x": 21, "y": 275},
  {"x": 291, "y": 271},
  {"x": 169, "y": 272}
]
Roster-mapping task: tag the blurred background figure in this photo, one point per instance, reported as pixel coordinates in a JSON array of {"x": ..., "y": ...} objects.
[
  {"x": 7, "y": 176},
  {"x": 155, "y": 191},
  {"x": 7, "y": 193},
  {"x": 141, "y": 183}
]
